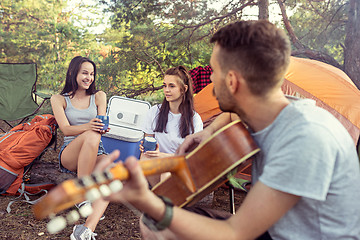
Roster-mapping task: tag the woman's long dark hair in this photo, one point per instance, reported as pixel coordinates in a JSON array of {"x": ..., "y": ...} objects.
[
  {"x": 186, "y": 107},
  {"x": 71, "y": 84}
]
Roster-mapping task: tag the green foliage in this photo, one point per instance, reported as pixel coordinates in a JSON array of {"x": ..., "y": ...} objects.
[
  {"x": 42, "y": 32},
  {"x": 146, "y": 37},
  {"x": 132, "y": 11},
  {"x": 321, "y": 25},
  {"x": 150, "y": 40}
]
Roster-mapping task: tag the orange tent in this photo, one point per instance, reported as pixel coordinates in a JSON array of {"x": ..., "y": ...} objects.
[{"x": 330, "y": 87}]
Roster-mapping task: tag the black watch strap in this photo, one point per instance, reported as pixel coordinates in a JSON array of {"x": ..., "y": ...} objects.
[{"x": 165, "y": 221}]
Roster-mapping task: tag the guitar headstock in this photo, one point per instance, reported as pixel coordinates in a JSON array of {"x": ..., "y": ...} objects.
[
  {"x": 98, "y": 185},
  {"x": 66, "y": 195}
]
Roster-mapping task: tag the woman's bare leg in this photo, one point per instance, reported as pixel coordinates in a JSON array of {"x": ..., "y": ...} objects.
[
  {"x": 81, "y": 154},
  {"x": 99, "y": 207}
]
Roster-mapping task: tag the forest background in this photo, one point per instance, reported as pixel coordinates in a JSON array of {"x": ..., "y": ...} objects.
[{"x": 139, "y": 39}]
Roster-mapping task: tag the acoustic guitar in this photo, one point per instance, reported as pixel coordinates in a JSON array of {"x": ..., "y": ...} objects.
[
  {"x": 192, "y": 175},
  {"x": 210, "y": 165}
]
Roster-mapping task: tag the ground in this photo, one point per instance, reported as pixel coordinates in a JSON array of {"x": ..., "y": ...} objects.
[{"x": 120, "y": 221}]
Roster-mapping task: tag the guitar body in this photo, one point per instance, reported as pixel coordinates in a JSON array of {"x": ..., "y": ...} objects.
[{"x": 210, "y": 163}]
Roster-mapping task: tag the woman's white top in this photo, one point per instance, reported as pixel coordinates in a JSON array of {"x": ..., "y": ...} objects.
[{"x": 170, "y": 140}]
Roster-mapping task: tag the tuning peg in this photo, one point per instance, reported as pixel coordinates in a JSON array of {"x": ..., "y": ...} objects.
[
  {"x": 99, "y": 177},
  {"x": 86, "y": 181},
  {"x": 92, "y": 195},
  {"x": 56, "y": 224},
  {"x": 105, "y": 190},
  {"x": 72, "y": 216},
  {"x": 108, "y": 175},
  {"x": 115, "y": 186},
  {"x": 85, "y": 210}
]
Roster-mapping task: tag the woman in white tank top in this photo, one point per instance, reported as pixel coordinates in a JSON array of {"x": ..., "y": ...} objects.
[{"x": 75, "y": 110}]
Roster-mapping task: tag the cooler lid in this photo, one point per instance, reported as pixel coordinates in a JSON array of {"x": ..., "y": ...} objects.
[
  {"x": 124, "y": 134},
  {"x": 126, "y": 118}
]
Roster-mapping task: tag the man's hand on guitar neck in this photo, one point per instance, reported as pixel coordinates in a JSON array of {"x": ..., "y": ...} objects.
[
  {"x": 135, "y": 190},
  {"x": 134, "y": 187},
  {"x": 196, "y": 138}
]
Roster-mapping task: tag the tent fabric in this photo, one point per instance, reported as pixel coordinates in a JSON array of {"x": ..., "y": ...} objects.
[
  {"x": 329, "y": 86},
  {"x": 206, "y": 104}
]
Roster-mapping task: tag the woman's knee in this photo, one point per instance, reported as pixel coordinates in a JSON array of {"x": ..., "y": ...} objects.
[{"x": 91, "y": 137}]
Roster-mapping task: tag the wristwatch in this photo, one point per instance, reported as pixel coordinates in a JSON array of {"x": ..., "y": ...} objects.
[{"x": 165, "y": 221}]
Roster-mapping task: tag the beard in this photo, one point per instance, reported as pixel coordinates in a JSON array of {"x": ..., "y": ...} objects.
[
  {"x": 225, "y": 100},
  {"x": 227, "y": 103}
]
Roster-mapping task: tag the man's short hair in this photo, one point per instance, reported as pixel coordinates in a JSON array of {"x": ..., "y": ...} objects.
[{"x": 258, "y": 49}]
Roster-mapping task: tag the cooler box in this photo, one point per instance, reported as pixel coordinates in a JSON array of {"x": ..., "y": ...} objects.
[{"x": 126, "y": 118}]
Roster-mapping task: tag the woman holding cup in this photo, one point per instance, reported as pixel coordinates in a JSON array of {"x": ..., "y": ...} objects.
[
  {"x": 172, "y": 120},
  {"x": 76, "y": 110}
]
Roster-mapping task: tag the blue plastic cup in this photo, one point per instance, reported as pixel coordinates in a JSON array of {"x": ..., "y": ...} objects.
[
  {"x": 105, "y": 120},
  {"x": 149, "y": 144}
]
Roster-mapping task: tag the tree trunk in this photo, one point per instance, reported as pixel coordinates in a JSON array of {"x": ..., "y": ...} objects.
[
  {"x": 352, "y": 44},
  {"x": 263, "y": 9}
]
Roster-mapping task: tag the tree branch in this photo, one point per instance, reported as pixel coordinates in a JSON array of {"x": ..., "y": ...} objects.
[
  {"x": 289, "y": 28},
  {"x": 302, "y": 49},
  {"x": 317, "y": 55},
  {"x": 133, "y": 92},
  {"x": 197, "y": 26},
  {"x": 157, "y": 63}
]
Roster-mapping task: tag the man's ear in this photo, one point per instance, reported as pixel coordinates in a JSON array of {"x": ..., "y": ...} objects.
[{"x": 233, "y": 81}]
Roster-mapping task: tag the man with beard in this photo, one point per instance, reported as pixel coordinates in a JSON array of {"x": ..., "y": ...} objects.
[{"x": 306, "y": 179}]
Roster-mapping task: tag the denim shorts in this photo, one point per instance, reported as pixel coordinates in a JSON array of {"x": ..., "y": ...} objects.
[{"x": 101, "y": 151}]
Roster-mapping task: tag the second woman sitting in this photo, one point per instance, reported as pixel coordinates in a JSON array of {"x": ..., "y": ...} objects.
[{"x": 172, "y": 120}]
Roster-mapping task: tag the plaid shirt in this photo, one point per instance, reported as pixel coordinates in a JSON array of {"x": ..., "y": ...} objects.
[{"x": 201, "y": 77}]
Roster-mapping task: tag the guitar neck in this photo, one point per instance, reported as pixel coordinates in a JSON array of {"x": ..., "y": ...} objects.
[
  {"x": 73, "y": 191},
  {"x": 150, "y": 167},
  {"x": 175, "y": 164}
]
